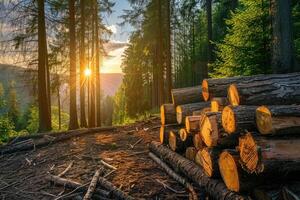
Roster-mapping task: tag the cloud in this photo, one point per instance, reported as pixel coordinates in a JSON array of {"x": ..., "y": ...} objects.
[
  {"x": 112, "y": 63},
  {"x": 113, "y": 28}
]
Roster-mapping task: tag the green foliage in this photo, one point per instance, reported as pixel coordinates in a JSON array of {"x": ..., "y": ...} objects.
[
  {"x": 6, "y": 129},
  {"x": 107, "y": 111},
  {"x": 2, "y": 101},
  {"x": 55, "y": 119},
  {"x": 296, "y": 27},
  {"x": 245, "y": 50},
  {"x": 13, "y": 104},
  {"x": 33, "y": 120}
]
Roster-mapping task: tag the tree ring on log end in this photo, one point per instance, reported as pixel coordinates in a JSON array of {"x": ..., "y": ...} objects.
[
  {"x": 205, "y": 91},
  {"x": 228, "y": 120},
  {"x": 206, "y": 162},
  {"x": 214, "y": 106},
  {"x": 197, "y": 141},
  {"x": 264, "y": 120},
  {"x": 172, "y": 141},
  {"x": 183, "y": 134},
  {"x": 209, "y": 131},
  {"x": 249, "y": 152},
  {"x": 233, "y": 95},
  {"x": 187, "y": 124},
  {"x": 162, "y": 134},
  {"x": 162, "y": 114},
  {"x": 229, "y": 171},
  {"x": 179, "y": 114}
]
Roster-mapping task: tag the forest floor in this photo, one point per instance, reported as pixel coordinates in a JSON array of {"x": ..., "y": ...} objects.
[{"x": 22, "y": 174}]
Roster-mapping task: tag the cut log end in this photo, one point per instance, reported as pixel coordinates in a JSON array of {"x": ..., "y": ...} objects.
[
  {"x": 229, "y": 171},
  {"x": 205, "y": 91},
  {"x": 215, "y": 107},
  {"x": 183, "y": 134},
  {"x": 203, "y": 159},
  {"x": 172, "y": 141},
  {"x": 228, "y": 120},
  {"x": 162, "y": 114},
  {"x": 162, "y": 134},
  {"x": 264, "y": 120},
  {"x": 248, "y": 152},
  {"x": 179, "y": 115},
  {"x": 233, "y": 95},
  {"x": 209, "y": 131},
  {"x": 197, "y": 140},
  {"x": 218, "y": 103},
  {"x": 190, "y": 153}
]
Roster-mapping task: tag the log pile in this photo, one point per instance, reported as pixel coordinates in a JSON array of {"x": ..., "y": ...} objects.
[{"x": 243, "y": 132}]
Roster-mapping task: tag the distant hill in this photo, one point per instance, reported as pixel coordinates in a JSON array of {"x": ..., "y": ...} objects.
[{"x": 26, "y": 87}]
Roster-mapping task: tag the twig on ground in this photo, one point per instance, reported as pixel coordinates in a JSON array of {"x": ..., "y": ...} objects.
[
  {"x": 132, "y": 146},
  {"x": 109, "y": 173},
  {"x": 92, "y": 185},
  {"x": 138, "y": 153},
  {"x": 108, "y": 165},
  {"x": 66, "y": 170},
  {"x": 170, "y": 188}
]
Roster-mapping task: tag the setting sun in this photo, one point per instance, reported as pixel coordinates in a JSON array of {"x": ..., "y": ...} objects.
[{"x": 87, "y": 72}]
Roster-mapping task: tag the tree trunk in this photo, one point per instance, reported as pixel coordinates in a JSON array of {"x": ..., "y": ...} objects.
[
  {"x": 209, "y": 35},
  {"x": 83, "y": 122},
  {"x": 187, "y": 110},
  {"x": 278, "y": 89},
  {"x": 270, "y": 156},
  {"x": 282, "y": 39},
  {"x": 98, "y": 86},
  {"x": 218, "y": 104},
  {"x": 207, "y": 158},
  {"x": 43, "y": 96},
  {"x": 160, "y": 66},
  {"x": 192, "y": 123},
  {"x": 168, "y": 52},
  {"x": 167, "y": 114},
  {"x": 175, "y": 142},
  {"x": 187, "y": 95},
  {"x": 239, "y": 119},
  {"x": 73, "y": 123},
  {"x": 278, "y": 120},
  {"x": 215, "y": 188}
]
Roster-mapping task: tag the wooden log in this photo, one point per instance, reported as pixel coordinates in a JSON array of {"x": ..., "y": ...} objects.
[
  {"x": 278, "y": 120},
  {"x": 239, "y": 119},
  {"x": 269, "y": 156},
  {"x": 7, "y": 149},
  {"x": 164, "y": 132},
  {"x": 175, "y": 142},
  {"x": 116, "y": 192},
  {"x": 207, "y": 158},
  {"x": 74, "y": 185},
  {"x": 190, "y": 153},
  {"x": 192, "y": 123},
  {"x": 187, "y": 110},
  {"x": 91, "y": 189},
  {"x": 187, "y": 95},
  {"x": 200, "y": 112},
  {"x": 186, "y": 138},
  {"x": 217, "y": 104},
  {"x": 167, "y": 114},
  {"x": 175, "y": 176},
  {"x": 233, "y": 175},
  {"x": 274, "y": 89},
  {"x": 215, "y": 188},
  {"x": 197, "y": 141}
]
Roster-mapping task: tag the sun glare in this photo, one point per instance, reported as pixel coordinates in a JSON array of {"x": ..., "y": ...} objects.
[{"x": 87, "y": 72}]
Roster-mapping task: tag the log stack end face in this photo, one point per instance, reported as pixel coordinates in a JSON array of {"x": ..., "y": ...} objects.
[
  {"x": 264, "y": 120},
  {"x": 228, "y": 120},
  {"x": 183, "y": 134},
  {"x": 162, "y": 134},
  {"x": 233, "y": 95},
  {"x": 229, "y": 171},
  {"x": 209, "y": 131},
  {"x": 215, "y": 107},
  {"x": 162, "y": 115},
  {"x": 205, "y": 91},
  {"x": 203, "y": 159},
  {"x": 179, "y": 115},
  {"x": 173, "y": 141}
]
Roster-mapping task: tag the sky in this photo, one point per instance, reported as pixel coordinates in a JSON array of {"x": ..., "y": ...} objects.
[{"x": 112, "y": 63}]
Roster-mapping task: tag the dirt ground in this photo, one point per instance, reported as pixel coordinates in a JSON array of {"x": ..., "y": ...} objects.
[{"x": 22, "y": 175}]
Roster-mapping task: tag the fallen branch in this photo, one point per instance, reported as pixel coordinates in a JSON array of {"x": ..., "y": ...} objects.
[
  {"x": 66, "y": 170},
  {"x": 169, "y": 187},
  {"x": 175, "y": 176},
  {"x": 116, "y": 193},
  {"x": 132, "y": 146},
  {"x": 93, "y": 185},
  {"x": 108, "y": 165},
  {"x": 215, "y": 188}
]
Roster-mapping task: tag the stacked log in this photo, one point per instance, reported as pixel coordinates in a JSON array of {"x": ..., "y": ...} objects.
[
  {"x": 167, "y": 114},
  {"x": 216, "y": 135}
]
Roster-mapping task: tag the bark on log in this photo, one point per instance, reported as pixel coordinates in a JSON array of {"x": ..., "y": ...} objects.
[
  {"x": 116, "y": 192},
  {"x": 207, "y": 158},
  {"x": 187, "y": 95},
  {"x": 278, "y": 120},
  {"x": 239, "y": 119},
  {"x": 192, "y": 123},
  {"x": 187, "y": 110},
  {"x": 275, "y": 89},
  {"x": 44, "y": 141},
  {"x": 190, "y": 153},
  {"x": 92, "y": 186},
  {"x": 218, "y": 104},
  {"x": 215, "y": 188},
  {"x": 200, "y": 112},
  {"x": 175, "y": 142},
  {"x": 270, "y": 156},
  {"x": 198, "y": 141},
  {"x": 175, "y": 176},
  {"x": 168, "y": 114},
  {"x": 186, "y": 138},
  {"x": 73, "y": 185},
  {"x": 233, "y": 175}
]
